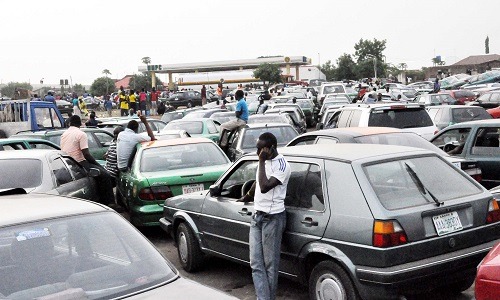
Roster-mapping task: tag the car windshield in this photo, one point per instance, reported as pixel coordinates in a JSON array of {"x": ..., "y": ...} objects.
[
  {"x": 412, "y": 182},
  {"x": 400, "y": 139},
  {"x": 333, "y": 89},
  {"x": 192, "y": 127},
  {"x": 283, "y": 134},
  {"x": 464, "y": 114},
  {"x": 92, "y": 256},
  {"x": 181, "y": 157},
  {"x": 171, "y": 116},
  {"x": 196, "y": 115},
  {"x": 12, "y": 178},
  {"x": 400, "y": 118}
]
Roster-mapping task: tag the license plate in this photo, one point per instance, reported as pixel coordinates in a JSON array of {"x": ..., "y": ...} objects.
[
  {"x": 447, "y": 223},
  {"x": 190, "y": 188}
]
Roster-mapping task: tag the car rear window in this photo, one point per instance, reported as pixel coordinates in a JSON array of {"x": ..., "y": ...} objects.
[
  {"x": 412, "y": 182},
  {"x": 190, "y": 127},
  {"x": 400, "y": 118},
  {"x": 283, "y": 135},
  {"x": 12, "y": 178},
  {"x": 464, "y": 114}
]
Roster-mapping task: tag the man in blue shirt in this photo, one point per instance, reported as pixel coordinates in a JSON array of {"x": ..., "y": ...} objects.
[
  {"x": 50, "y": 97},
  {"x": 241, "y": 118}
]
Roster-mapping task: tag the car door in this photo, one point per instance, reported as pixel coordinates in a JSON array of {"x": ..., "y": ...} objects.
[
  {"x": 225, "y": 223},
  {"x": 65, "y": 184},
  {"x": 95, "y": 147},
  {"x": 86, "y": 185},
  {"x": 486, "y": 151}
]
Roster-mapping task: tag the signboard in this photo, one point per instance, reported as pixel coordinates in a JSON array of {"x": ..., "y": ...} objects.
[{"x": 154, "y": 68}]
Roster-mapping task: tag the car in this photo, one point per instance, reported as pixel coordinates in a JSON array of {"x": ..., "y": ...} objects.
[
  {"x": 64, "y": 107},
  {"x": 446, "y": 115},
  {"x": 486, "y": 77},
  {"x": 155, "y": 124},
  {"x": 167, "y": 168},
  {"x": 310, "y": 110},
  {"x": 361, "y": 221},
  {"x": 200, "y": 127},
  {"x": 385, "y": 136},
  {"x": 91, "y": 103},
  {"x": 422, "y": 86},
  {"x": 27, "y": 143},
  {"x": 242, "y": 141},
  {"x": 477, "y": 140},
  {"x": 296, "y": 115},
  {"x": 407, "y": 116},
  {"x": 435, "y": 99},
  {"x": 46, "y": 171},
  {"x": 455, "y": 81},
  {"x": 487, "y": 284},
  {"x": 487, "y": 100},
  {"x": 330, "y": 88},
  {"x": 178, "y": 114},
  {"x": 332, "y": 99},
  {"x": 203, "y": 113},
  {"x": 185, "y": 98},
  {"x": 271, "y": 118},
  {"x": 326, "y": 116},
  {"x": 223, "y": 117},
  {"x": 171, "y": 134},
  {"x": 407, "y": 94},
  {"x": 462, "y": 96},
  {"x": 98, "y": 139},
  {"x": 494, "y": 112},
  {"x": 55, "y": 247}
]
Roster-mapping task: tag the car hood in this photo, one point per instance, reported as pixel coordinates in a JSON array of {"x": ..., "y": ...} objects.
[{"x": 183, "y": 289}]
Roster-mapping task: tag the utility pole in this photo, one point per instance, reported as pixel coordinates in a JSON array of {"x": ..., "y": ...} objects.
[{"x": 319, "y": 66}]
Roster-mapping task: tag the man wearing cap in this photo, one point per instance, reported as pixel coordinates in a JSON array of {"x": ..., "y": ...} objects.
[{"x": 75, "y": 143}]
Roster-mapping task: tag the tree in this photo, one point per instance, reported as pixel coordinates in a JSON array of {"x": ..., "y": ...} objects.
[
  {"x": 329, "y": 70},
  {"x": 366, "y": 48},
  {"x": 146, "y": 60},
  {"x": 345, "y": 67},
  {"x": 268, "y": 72},
  {"x": 142, "y": 81},
  {"x": 487, "y": 45},
  {"x": 101, "y": 85},
  {"x": 11, "y": 89},
  {"x": 106, "y": 72},
  {"x": 78, "y": 88},
  {"x": 402, "y": 66}
]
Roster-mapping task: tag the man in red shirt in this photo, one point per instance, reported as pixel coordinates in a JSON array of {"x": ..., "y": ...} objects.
[{"x": 154, "y": 101}]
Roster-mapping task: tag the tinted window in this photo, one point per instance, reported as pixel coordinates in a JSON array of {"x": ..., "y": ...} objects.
[
  {"x": 41, "y": 145},
  {"x": 61, "y": 172},
  {"x": 304, "y": 188},
  {"x": 12, "y": 178},
  {"x": 469, "y": 114},
  {"x": 77, "y": 171},
  {"x": 399, "y": 139},
  {"x": 411, "y": 182},
  {"x": 400, "y": 118},
  {"x": 211, "y": 127},
  {"x": 487, "y": 141},
  {"x": 283, "y": 134}
]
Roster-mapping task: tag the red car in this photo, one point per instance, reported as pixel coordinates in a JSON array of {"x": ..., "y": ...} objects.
[
  {"x": 487, "y": 285},
  {"x": 462, "y": 96},
  {"x": 494, "y": 112}
]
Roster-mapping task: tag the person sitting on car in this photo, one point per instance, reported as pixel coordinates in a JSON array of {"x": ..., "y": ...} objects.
[{"x": 92, "y": 122}]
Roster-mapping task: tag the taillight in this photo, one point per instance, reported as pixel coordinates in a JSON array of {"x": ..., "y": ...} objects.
[
  {"x": 477, "y": 177},
  {"x": 388, "y": 234},
  {"x": 436, "y": 131},
  {"x": 155, "y": 193},
  {"x": 493, "y": 212}
]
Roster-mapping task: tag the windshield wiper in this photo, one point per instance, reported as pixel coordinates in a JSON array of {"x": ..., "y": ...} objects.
[{"x": 421, "y": 188}]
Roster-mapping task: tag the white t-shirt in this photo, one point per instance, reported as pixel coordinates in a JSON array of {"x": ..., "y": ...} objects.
[
  {"x": 273, "y": 201},
  {"x": 125, "y": 144}
]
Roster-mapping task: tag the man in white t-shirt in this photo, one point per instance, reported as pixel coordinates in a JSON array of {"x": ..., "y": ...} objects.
[
  {"x": 269, "y": 220},
  {"x": 128, "y": 139}
]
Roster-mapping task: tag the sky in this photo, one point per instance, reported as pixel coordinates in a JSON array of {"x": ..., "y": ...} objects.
[{"x": 77, "y": 40}]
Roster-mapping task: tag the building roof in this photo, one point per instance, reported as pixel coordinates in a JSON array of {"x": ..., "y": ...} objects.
[
  {"x": 123, "y": 82},
  {"x": 477, "y": 59}
]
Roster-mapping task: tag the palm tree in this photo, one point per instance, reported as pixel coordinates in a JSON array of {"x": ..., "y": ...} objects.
[
  {"x": 106, "y": 72},
  {"x": 146, "y": 60}
]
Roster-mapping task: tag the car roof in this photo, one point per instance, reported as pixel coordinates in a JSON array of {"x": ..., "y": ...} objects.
[
  {"x": 33, "y": 153},
  {"x": 354, "y": 131},
  {"x": 190, "y": 120},
  {"x": 352, "y": 152},
  {"x": 15, "y": 209},
  {"x": 454, "y": 106},
  {"x": 175, "y": 142},
  {"x": 260, "y": 125}
]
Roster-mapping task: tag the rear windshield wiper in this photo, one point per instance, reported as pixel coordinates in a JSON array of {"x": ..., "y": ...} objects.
[{"x": 421, "y": 188}]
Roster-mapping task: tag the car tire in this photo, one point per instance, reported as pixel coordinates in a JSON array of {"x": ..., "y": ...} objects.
[
  {"x": 190, "y": 104},
  {"x": 329, "y": 281},
  {"x": 460, "y": 286},
  {"x": 189, "y": 251}
]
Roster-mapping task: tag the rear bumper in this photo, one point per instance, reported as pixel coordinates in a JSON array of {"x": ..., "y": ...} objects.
[
  {"x": 427, "y": 273},
  {"x": 166, "y": 225},
  {"x": 146, "y": 215}
]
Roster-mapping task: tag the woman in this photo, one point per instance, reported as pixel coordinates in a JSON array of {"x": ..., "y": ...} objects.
[
  {"x": 76, "y": 107},
  {"x": 83, "y": 106}
]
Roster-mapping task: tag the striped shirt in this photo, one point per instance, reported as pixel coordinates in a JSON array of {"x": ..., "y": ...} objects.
[{"x": 111, "y": 160}]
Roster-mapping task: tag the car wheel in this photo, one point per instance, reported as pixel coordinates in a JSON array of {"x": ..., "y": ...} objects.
[
  {"x": 188, "y": 249},
  {"x": 460, "y": 286},
  {"x": 190, "y": 104},
  {"x": 329, "y": 281}
]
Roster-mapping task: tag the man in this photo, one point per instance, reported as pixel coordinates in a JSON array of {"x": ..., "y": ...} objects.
[
  {"x": 241, "y": 117},
  {"x": 123, "y": 103},
  {"x": 92, "y": 122},
  {"x": 132, "y": 100},
  {"x": 75, "y": 143},
  {"x": 203, "y": 95},
  {"x": 379, "y": 97},
  {"x": 110, "y": 155},
  {"x": 128, "y": 139},
  {"x": 370, "y": 99},
  {"x": 50, "y": 97},
  {"x": 154, "y": 101},
  {"x": 266, "y": 230},
  {"x": 437, "y": 86}
]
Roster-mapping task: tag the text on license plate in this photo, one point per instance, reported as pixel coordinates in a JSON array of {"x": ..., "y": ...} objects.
[
  {"x": 190, "y": 188},
  {"x": 447, "y": 223}
]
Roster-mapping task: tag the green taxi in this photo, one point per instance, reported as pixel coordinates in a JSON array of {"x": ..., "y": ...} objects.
[{"x": 197, "y": 127}]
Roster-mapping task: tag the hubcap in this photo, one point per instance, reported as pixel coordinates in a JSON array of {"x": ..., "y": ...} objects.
[
  {"x": 328, "y": 288},
  {"x": 183, "y": 248}
]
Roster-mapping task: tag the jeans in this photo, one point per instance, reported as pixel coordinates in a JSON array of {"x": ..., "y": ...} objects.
[{"x": 265, "y": 246}]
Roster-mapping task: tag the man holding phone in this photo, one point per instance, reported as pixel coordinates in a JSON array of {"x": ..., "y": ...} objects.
[{"x": 268, "y": 223}]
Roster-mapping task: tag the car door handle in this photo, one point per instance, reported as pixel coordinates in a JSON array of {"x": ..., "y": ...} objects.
[
  {"x": 245, "y": 212},
  {"x": 309, "y": 222}
]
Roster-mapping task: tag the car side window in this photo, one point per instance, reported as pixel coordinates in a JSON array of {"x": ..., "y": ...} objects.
[
  {"x": 103, "y": 137},
  {"x": 306, "y": 140},
  {"x": 246, "y": 171},
  {"x": 326, "y": 140},
  {"x": 487, "y": 141},
  {"x": 455, "y": 137},
  {"x": 77, "y": 171},
  {"x": 305, "y": 189},
  {"x": 61, "y": 172},
  {"x": 92, "y": 141},
  {"x": 344, "y": 118},
  {"x": 211, "y": 127},
  {"x": 41, "y": 145}
]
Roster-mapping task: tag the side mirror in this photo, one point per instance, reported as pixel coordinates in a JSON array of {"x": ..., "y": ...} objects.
[
  {"x": 94, "y": 172},
  {"x": 214, "y": 191}
]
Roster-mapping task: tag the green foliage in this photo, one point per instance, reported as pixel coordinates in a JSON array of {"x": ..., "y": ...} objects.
[
  {"x": 102, "y": 86},
  {"x": 146, "y": 60},
  {"x": 142, "y": 81},
  {"x": 78, "y": 88},
  {"x": 329, "y": 70},
  {"x": 365, "y": 49},
  {"x": 106, "y": 72},
  {"x": 268, "y": 72},
  {"x": 345, "y": 67},
  {"x": 10, "y": 89},
  {"x": 416, "y": 75}
]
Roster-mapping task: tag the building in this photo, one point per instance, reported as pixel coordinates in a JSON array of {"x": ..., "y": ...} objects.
[{"x": 476, "y": 64}]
